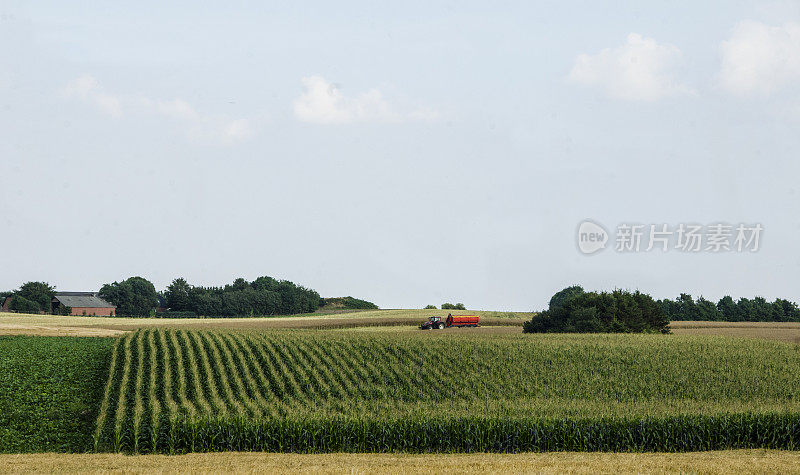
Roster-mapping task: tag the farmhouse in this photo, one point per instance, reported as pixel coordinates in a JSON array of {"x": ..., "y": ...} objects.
[{"x": 82, "y": 303}]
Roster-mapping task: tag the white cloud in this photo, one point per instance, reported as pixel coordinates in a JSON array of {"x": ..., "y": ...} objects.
[
  {"x": 87, "y": 88},
  {"x": 323, "y": 103},
  {"x": 759, "y": 58},
  {"x": 640, "y": 70},
  {"x": 196, "y": 124}
]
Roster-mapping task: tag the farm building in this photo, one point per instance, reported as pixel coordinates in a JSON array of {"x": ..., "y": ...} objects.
[{"x": 82, "y": 303}]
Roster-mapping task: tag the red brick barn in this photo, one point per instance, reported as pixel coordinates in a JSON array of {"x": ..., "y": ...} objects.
[{"x": 83, "y": 303}]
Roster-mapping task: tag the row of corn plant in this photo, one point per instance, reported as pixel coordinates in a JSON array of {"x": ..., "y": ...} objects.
[{"x": 175, "y": 391}]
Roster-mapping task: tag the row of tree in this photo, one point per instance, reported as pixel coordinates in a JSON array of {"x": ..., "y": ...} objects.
[
  {"x": 137, "y": 296},
  {"x": 334, "y": 303},
  {"x": 264, "y": 296},
  {"x": 573, "y": 310},
  {"x": 447, "y": 306},
  {"x": 726, "y": 309}
]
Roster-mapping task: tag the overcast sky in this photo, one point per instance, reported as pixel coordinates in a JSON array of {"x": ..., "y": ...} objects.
[{"x": 409, "y": 154}]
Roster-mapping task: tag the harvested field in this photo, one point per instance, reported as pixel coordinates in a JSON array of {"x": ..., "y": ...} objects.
[
  {"x": 366, "y": 320},
  {"x": 733, "y": 461},
  {"x": 781, "y": 331},
  {"x": 55, "y": 330},
  {"x": 310, "y": 321}
]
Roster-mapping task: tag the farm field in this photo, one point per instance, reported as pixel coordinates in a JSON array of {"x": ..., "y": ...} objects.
[
  {"x": 781, "y": 331},
  {"x": 13, "y": 324},
  {"x": 49, "y": 391},
  {"x": 178, "y": 390},
  {"x": 728, "y": 461},
  {"x": 377, "y": 320}
]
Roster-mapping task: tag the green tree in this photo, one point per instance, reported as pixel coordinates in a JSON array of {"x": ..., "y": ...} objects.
[
  {"x": 686, "y": 308},
  {"x": 562, "y": 296},
  {"x": 39, "y": 292},
  {"x": 707, "y": 311},
  {"x": 763, "y": 311},
  {"x": 430, "y": 307},
  {"x": 744, "y": 310},
  {"x": 727, "y": 308},
  {"x": 177, "y": 295},
  {"x": 22, "y": 305},
  {"x": 789, "y": 311},
  {"x": 209, "y": 305},
  {"x": 617, "y": 311},
  {"x": 135, "y": 296}
]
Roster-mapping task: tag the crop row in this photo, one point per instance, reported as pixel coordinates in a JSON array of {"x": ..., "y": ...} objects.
[{"x": 194, "y": 390}]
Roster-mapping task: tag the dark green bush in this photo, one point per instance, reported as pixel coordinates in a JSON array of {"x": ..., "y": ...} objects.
[{"x": 574, "y": 311}]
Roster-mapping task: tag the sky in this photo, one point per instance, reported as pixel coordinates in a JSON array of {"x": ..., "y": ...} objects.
[{"x": 407, "y": 153}]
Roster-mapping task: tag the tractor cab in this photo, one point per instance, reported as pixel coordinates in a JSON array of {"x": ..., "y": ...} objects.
[{"x": 432, "y": 322}]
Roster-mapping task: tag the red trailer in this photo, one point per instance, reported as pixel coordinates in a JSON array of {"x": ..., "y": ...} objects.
[
  {"x": 450, "y": 321},
  {"x": 462, "y": 320}
]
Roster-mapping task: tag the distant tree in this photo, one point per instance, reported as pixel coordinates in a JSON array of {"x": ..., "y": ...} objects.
[
  {"x": 686, "y": 308},
  {"x": 430, "y": 307},
  {"x": 450, "y": 306},
  {"x": 727, "y": 308},
  {"x": 763, "y": 311},
  {"x": 236, "y": 302},
  {"x": 707, "y": 311},
  {"x": 39, "y": 292},
  {"x": 209, "y": 305},
  {"x": 583, "y": 312},
  {"x": 562, "y": 296},
  {"x": 22, "y": 305},
  {"x": 135, "y": 296},
  {"x": 239, "y": 284},
  {"x": 744, "y": 310},
  {"x": 177, "y": 295},
  {"x": 789, "y": 311},
  {"x": 352, "y": 302}
]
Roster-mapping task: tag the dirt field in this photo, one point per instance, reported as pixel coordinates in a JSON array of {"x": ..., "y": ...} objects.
[{"x": 740, "y": 461}]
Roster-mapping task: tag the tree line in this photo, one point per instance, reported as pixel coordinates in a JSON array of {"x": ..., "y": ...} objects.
[
  {"x": 573, "y": 310},
  {"x": 757, "y": 309},
  {"x": 137, "y": 297},
  {"x": 263, "y": 296}
]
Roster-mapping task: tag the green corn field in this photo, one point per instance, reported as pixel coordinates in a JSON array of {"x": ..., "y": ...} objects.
[{"x": 173, "y": 391}]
